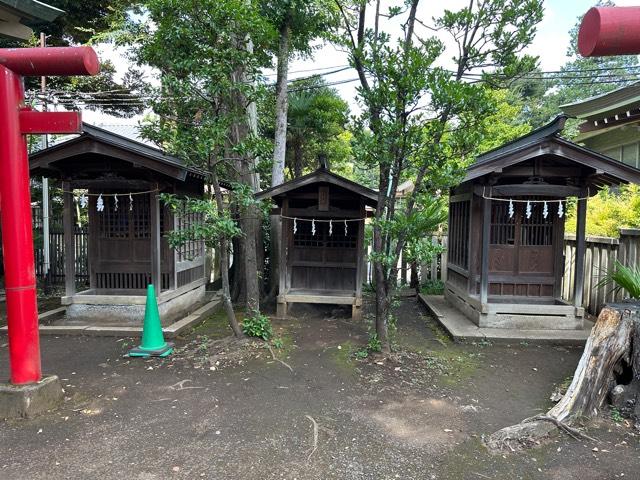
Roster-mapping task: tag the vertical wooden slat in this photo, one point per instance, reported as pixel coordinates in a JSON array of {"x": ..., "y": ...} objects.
[
  {"x": 484, "y": 269},
  {"x": 434, "y": 260},
  {"x": 580, "y": 249},
  {"x": 69, "y": 241},
  {"x": 154, "y": 234},
  {"x": 444, "y": 259}
]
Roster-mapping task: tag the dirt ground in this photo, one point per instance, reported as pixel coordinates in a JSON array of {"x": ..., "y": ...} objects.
[{"x": 219, "y": 410}]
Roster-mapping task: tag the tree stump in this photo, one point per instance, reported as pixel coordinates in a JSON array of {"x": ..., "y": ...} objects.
[{"x": 611, "y": 356}]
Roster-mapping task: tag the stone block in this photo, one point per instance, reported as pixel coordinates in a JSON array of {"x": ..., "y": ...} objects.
[{"x": 26, "y": 401}]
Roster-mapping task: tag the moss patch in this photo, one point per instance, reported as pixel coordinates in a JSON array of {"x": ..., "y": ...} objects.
[
  {"x": 216, "y": 325},
  {"x": 343, "y": 356},
  {"x": 453, "y": 365}
]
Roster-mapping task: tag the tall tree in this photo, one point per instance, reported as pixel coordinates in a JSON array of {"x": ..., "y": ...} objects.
[
  {"x": 420, "y": 120},
  {"x": 298, "y": 23},
  {"x": 317, "y": 119},
  {"x": 203, "y": 51}
]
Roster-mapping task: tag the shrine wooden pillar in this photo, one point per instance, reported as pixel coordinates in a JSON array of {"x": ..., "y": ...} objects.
[
  {"x": 581, "y": 222},
  {"x": 69, "y": 241}
]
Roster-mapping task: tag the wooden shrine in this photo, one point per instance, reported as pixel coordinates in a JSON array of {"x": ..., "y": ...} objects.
[
  {"x": 114, "y": 182},
  {"x": 506, "y": 230},
  {"x": 322, "y": 257}
]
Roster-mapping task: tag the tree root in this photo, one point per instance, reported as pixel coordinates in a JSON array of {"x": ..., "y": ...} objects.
[
  {"x": 273, "y": 355},
  {"x": 315, "y": 436},
  {"x": 180, "y": 385},
  {"x": 572, "y": 432},
  {"x": 530, "y": 432},
  {"x": 610, "y": 341}
]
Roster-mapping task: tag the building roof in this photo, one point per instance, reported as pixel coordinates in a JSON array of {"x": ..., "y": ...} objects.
[
  {"x": 321, "y": 175},
  {"x": 545, "y": 141},
  {"x": 100, "y": 141},
  {"x": 602, "y": 106},
  {"x": 18, "y": 16}
]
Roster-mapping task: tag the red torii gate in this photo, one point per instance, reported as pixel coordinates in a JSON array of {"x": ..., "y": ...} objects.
[
  {"x": 610, "y": 31},
  {"x": 17, "y": 120}
]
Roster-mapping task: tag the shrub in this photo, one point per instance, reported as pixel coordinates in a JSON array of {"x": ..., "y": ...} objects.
[
  {"x": 432, "y": 287},
  {"x": 623, "y": 278},
  {"x": 608, "y": 211},
  {"x": 257, "y": 325},
  {"x": 374, "y": 344}
]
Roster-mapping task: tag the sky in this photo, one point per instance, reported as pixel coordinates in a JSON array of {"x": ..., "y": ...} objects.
[{"x": 550, "y": 45}]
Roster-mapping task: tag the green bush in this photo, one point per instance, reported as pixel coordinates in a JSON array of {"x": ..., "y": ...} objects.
[
  {"x": 432, "y": 287},
  {"x": 624, "y": 278},
  {"x": 257, "y": 325},
  {"x": 374, "y": 344},
  {"x": 608, "y": 211}
]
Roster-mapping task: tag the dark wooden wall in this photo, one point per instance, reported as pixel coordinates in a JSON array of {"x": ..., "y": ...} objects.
[
  {"x": 324, "y": 261},
  {"x": 120, "y": 243}
]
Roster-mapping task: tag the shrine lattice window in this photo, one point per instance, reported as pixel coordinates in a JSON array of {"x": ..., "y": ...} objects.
[
  {"x": 459, "y": 215},
  {"x": 192, "y": 248},
  {"x": 518, "y": 229},
  {"x": 304, "y": 236}
]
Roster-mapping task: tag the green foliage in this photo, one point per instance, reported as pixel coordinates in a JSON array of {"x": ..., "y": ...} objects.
[
  {"x": 277, "y": 343},
  {"x": 361, "y": 354},
  {"x": 305, "y": 20},
  {"x": 420, "y": 121},
  {"x": 374, "y": 344},
  {"x": 257, "y": 325},
  {"x": 429, "y": 214},
  {"x": 432, "y": 287},
  {"x": 623, "y": 278},
  {"x": 504, "y": 124},
  {"x": 206, "y": 72},
  {"x": 616, "y": 416},
  {"x": 317, "y": 118},
  {"x": 210, "y": 226},
  {"x": 608, "y": 211}
]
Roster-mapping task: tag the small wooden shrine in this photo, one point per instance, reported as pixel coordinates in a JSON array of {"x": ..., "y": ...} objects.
[
  {"x": 322, "y": 257},
  {"x": 114, "y": 182},
  {"x": 506, "y": 229}
]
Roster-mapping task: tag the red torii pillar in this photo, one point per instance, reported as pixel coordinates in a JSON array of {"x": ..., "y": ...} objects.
[
  {"x": 610, "y": 31},
  {"x": 16, "y": 121}
]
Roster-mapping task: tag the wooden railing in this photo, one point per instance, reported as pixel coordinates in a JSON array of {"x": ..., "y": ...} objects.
[
  {"x": 600, "y": 255},
  {"x": 56, "y": 249}
]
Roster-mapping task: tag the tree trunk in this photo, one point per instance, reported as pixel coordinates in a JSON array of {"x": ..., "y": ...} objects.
[
  {"x": 242, "y": 129},
  {"x": 279, "y": 151},
  {"x": 383, "y": 306},
  {"x": 415, "y": 282},
  {"x": 238, "y": 293},
  {"x": 608, "y": 349},
  {"x": 224, "y": 267},
  {"x": 280, "y": 143},
  {"x": 383, "y": 302}
]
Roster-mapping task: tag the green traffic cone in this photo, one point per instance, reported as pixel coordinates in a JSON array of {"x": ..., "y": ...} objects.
[{"x": 153, "y": 344}]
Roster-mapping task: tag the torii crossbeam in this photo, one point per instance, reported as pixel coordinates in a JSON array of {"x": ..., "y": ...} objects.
[{"x": 610, "y": 31}]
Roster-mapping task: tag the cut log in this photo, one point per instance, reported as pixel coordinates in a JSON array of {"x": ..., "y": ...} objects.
[{"x": 608, "y": 347}]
